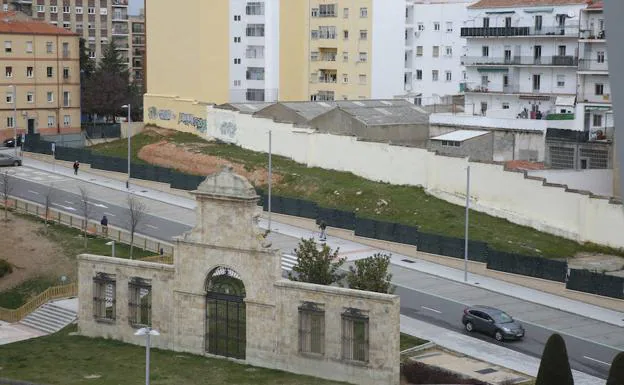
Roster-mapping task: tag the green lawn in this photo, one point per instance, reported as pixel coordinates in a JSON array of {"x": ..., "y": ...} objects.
[
  {"x": 406, "y": 204},
  {"x": 20, "y": 294},
  {"x": 66, "y": 360},
  {"x": 408, "y": 341}
]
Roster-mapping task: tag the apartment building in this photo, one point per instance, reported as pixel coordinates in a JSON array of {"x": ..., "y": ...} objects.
[
  {"x": 269, "y": 50},
  {"x": 97, "y": 21},
  {"x": 40, "y": 79},
  {"x": 433, "y": 50},
  {"x": 522, "y": 57},
  {"x": 137, "y": 49}
]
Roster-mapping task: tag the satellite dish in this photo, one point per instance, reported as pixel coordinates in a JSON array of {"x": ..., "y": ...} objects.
[{"x": 571, "y": 14}]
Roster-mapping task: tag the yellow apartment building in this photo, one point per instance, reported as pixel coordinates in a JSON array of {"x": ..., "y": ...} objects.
[
  {"x": 243, "y": 51},
  {"x": 39, "y": 78}
]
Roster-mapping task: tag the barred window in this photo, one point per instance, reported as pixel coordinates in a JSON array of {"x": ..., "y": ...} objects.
[
  {"x": 140, "y": 302},
  {"x": 311, "y": 328},
  {"x": 354, "y": 335},
  {"x": 104, "y": 296}
]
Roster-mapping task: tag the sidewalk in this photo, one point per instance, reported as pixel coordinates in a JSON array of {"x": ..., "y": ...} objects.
[{"x": 355, "y": 250}]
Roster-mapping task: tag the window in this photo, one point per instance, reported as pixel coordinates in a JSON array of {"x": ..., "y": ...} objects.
[
  {"x": 436, "y": 26},
  {"x": 9, "y": 97},
  {"x": 363, "y": 57},
  {"x": 421, "y": 27},
  {"x": 255, "y": 73},
  {"x": 314, "y": 34},
  {"x": 450, "y": 143},
  {"x": 508, "y": 22},
  {"x": 53, "y": 9},
  {"x": 237, "y": 18},
  {"x": 49, "y": 72},
  {"x": 363, "y": 12},
  {"x": 560, "y": 80},
  {"x": 345, "y": 13},
  {"x": 8, "y": 71},
  {"x": 10, "y": 122},
  {"x": 597, "y": 120},
  {"x": 418, "y": 74},
  {"x": 505, "y": 106},
  {"x": 237, "y": 61},
  {"x": 484, "y": 81},
  {"x": 66, "y": 25},
  {"x": 255, "y": 30},
  {"x": 485, "y": 51},
  {"x": 599, "y": 88},
  {"x": 49, "y": 47},
  {"x": 104, "y": 291},
  {"x": 538, "y": 22},
  {"x": 537, "y": 82},
  {"x": 255, "y": 95},
  {"x": 327, "y": 32},
  {"x": 237, "y": 83},
  {"x": 345, "y": 57},
  {"x": 486, "y": 22},
  {"x": 448, "y": 75},
  {"x": 600, "y": 56},
  {"x": 449, "y": 26},
  {"x": 8, "y": 46},
  {"x": 140, "y": 302},
  {"x": 362, "y": 78},
  {"x": 91, "y": 10},
  {"x": 51, "y": 121},
  {"x": 50, "y": 96},
  {"x": 448, "y": 51},
  {"x": 255, "y": 8},
  {"x": 66, "y": 99},
  {"x": 484, "y": 107},
  {"x": 561, "y": 50},
  {"x": 29, "y": 72},
  {"x": 434, "y": 75},
  {"x": 363, "y": 34},
  {"x": 314, "y": 12},
  {"x": 78, "y": 10},
  {"x": 30, "y": 97},
  {"x": 436, "y": 51},
  {"x": 418, "y": 100},
  {"x": 345, "y": 78},
  {"x": 314, "y": 55},
  {"x": 327, "y": 10},
  {"x": 419, "y": 50},
  {"x": 237, "y": 39},
  {"x": 311, "y": 328},
  {"x": 66, "y": 9},
  {"x": 66, "y": 120},
  {"x": 464, "y": 75},
  {"x": 354, "y": 335},
  {"x": 65, "y": 49},
  {"x": 40, "y": 8}
]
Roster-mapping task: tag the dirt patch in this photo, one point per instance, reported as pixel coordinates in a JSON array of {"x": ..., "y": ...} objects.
[
  {"x": 31, "y": 254},
  {"x": 188, "y": 160},
  {"x": 597, "y": 262}
]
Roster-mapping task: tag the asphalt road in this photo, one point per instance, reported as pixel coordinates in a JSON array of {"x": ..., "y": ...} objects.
[{"x": 431, "y": 299}]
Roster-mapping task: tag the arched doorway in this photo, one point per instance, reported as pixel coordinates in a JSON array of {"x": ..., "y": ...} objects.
[{"x": 225, "y": 313}]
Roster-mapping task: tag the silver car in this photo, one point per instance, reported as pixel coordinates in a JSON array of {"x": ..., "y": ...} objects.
[{"x": 9, "y": 160}]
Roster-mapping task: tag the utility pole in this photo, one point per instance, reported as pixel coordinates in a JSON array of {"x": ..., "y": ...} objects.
[
  {"x": 270, "y": 176},
  {"x": 466, "y": 230}
]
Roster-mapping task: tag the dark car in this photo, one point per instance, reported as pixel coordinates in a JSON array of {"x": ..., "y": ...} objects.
[
  {"x": 11, "y": 142},
  {"x": 9, "y": 160},
  {"x": 492, "y": 321}
]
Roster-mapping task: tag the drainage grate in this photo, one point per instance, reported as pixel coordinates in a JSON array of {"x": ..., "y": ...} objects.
[
  {"x": 144, "y": 191},
  {"x": 486, "y": 371},
  {"x": 408, "y": 260}
]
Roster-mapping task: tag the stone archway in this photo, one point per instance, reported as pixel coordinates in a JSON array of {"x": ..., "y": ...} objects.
[{"x": 225, "y": 314}]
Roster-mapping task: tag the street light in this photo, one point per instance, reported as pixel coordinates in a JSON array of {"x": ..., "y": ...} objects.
[
  {"x": 111, "y": 243},
  {"x": 270, "y": 177},
  {"x": 129, "y": 107},
  {"x": 147, "y": 332},
  {"x": 466, "y": 230},
  {"x": 14, "y": 88}
]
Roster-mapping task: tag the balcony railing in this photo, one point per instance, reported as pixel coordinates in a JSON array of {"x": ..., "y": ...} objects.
[
  {"x": 509, "y": 89},
  {"x": 570, "y": 61},
  {"x": 518, "y": 31},
  {"x": 593, "y": 35},
  {"x": 120, "y": 3},
  {"x": 120, "y": 31},
  {"x": 593, "y": 65},
  {"x": 601, "y": 134}
]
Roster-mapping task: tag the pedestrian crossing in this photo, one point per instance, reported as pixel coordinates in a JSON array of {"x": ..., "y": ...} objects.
[
  {"x": 35, "y": 175},
  {"x": 288, "y": 262}
]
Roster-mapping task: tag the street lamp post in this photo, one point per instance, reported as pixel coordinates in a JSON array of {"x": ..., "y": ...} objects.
[
  {"x": 270, "y": 176},
  {"x": 466, "y": 229},
  {"x": 129, "y": 107},
  {"x": 14, "y": 88},
  {"x": 147, "y": 332},
  {"x": 112, "y": 244}
]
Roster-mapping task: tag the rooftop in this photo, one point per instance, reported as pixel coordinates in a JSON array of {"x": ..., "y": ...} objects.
[
  {"x": 11, "y": 24},
  {"x": 248, "y": 108},
  {"x": 379, "y": 116},
  {"x": 598, "y": 5},
  {"x": 522, "y": 3},
  {"x": 460, "y": 135}
]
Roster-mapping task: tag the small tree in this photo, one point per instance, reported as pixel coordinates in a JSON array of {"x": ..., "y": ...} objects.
[
  {"x": 7, "y": 188},
  {"x": 317, "y": 266},
  {"x": 136, "y": 214},
  {"x": 371, "y": 274},
  {"x": 85, "y": 210},
  {"x": 48, "y": 195},
  {"x": 555, "y": 367},
  {"x": 616, "y": 373}
]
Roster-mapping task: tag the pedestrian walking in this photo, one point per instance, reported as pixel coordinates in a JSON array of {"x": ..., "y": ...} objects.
[
  {"x": 76, "y": 167},
  {"x": 323, "y": 226},
  {"x": 104, "y": 223}
]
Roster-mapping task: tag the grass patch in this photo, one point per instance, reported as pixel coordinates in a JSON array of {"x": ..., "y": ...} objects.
[
  {"x": 22, "y": 293},
  {"x": 405, "y": 204},
  {"x": 66, "y": 360},
  {"x": 408, "y": 341}
]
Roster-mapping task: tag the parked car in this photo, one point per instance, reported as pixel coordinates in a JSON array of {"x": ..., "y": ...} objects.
[
  {"x": 10, "y": 160},
  {"x": 492, "y": 321},
  {"x": 11, "y": 142}
]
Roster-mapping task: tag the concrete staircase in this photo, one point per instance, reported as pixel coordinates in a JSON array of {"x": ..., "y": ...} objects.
[{"x": 49, "y": 318}]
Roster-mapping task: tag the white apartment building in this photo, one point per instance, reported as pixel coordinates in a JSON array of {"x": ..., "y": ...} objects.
[
  {"x": 434, "y": 47},
  {"x": 594, "y": 110},
  {"x": 522, "y": 57}
]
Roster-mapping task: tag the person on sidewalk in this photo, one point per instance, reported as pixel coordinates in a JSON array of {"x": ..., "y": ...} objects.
[
  {"x": 76, "y": 167},
  {"x": 104, "y": 223},
  {"x": 323, "y": 226}
]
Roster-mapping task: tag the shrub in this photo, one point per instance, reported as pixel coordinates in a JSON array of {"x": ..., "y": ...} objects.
[
  {"x": 419, "y": 373},
  {"x": 5, "y": 268},
  {"x": 555, "y": 367},
  {"x": 371, "y": 274},
  {"x": 616, "y": 373}
]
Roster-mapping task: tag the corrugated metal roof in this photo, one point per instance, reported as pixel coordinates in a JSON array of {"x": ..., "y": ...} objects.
[
  {"x": 310, "y": 110},
  {"x": 249, "y": 107},
  {"x": 460, "y": 135},
  {"x": 379, "y": 116},
  {"x": 521, "y": 3}
]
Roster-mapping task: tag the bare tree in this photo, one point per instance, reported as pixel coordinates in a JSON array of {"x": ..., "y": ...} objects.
[
  {"x": 48, "y": 195},
  {"x": 137, "y": 211},
  {"x": 7, "y": 188},
  {"x": 85, "y": 210}
]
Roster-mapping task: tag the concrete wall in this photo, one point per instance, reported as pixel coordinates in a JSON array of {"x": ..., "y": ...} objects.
[{"x": 480, "y": 148}]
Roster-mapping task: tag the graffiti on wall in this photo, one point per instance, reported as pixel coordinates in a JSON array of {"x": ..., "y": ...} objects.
[
  {"x": 156, "y": 114},
  {"x": 200, "y": 124}
]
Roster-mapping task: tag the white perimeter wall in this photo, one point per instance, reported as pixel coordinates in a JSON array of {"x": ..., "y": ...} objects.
[{"x": 388, "y": 56}]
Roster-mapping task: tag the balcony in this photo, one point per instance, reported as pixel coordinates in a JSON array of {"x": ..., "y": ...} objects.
[
  {"x": 593, "y": 35},
  {"x": 519, "y": 31},
  {"x": 330, "y": 77},
  {"x": 593, "y": 65},
  {"x": 508, "y": 89},
  {"x": 598, "y": 134},
  {"x": 120, "y": 31},
  {"x": 120, "y": 3},
  {"x": 119, "y": 17},
  {"x": 562, "y": 61}
]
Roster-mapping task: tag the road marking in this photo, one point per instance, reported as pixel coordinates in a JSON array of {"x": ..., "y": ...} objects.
[
  {"x": 430, "y": 309},
  {"x": 109, "y": 214},
  {"x": 152, "y": 227},
  {"x": 595, "y": 360},
  {"x": 64, "y": 207},
  {"x": 68, "y": 202},
  {"x": 100, "y": 205},
  {"x": 33, "y": 192}
]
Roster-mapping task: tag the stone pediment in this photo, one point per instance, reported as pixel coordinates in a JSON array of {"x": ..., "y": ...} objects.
[{"x": 226, "y": 184}]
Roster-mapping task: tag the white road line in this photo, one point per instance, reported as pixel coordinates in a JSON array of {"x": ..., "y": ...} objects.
[
  {"x": 109, "y": 214},
  {"x": 430, "y": 309},
  {"x": 33, "y": 192},
  {"x": 64, "y": 207},
  {"x": 99, "y": 205},
  {"x": 595, "y": 360},
  {"x": 68, "y": 202},
  {"x": 152, "y": 227}
]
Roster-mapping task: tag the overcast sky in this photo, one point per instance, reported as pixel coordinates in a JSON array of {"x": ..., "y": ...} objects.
[{"x": 135, "y": 5}]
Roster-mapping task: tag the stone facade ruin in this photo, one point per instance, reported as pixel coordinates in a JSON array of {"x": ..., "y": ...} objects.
[{"x": 224, "y": 296}]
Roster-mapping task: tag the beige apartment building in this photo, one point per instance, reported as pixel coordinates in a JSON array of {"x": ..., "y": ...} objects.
[
  {"x": 274, "y": 50},
  {"x": 39, "y": 78},
  {"x": 97, "y": 21}
]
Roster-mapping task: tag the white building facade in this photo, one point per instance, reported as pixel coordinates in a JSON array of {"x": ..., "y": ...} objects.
[
  {"x": 522, "y": 58},
  {"x": 254, "y": 47},
  {"x": 434, "y": 47}
]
